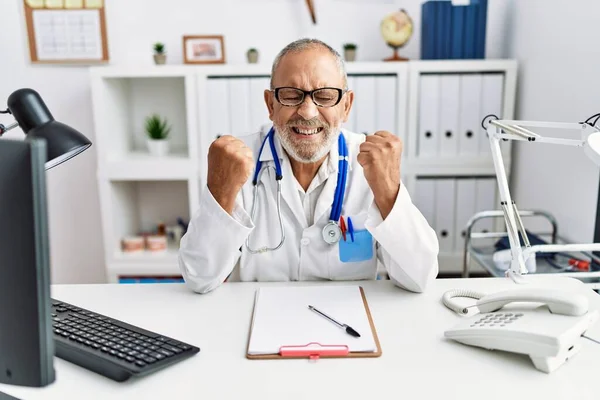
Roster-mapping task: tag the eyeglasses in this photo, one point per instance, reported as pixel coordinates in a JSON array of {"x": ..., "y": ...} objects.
[{"x": 322, "y": 97}]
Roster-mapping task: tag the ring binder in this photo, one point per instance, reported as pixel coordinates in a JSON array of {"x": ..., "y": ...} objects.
[{"x": 314, "y": 351}]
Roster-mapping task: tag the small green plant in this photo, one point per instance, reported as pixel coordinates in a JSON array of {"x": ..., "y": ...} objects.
[
  {"x": 157, "y": 128},
  {"x": 252, "y": 50},
  {"x": 350, "y": 46},
  {"x": 159, "y": 48}
]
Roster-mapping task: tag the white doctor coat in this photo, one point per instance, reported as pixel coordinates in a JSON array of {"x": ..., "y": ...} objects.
[{"x": 214, "y": 246}]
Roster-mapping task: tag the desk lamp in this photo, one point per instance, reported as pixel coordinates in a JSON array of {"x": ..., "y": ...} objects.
[
  {"x": 26, "y": 337},
  {"x": 34, "y": 118},
  {"x": 498, "y": 130}
]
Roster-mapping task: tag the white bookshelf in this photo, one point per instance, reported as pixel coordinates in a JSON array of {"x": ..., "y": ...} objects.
[
  {"x": 460, "y": 166},
  {"x": 138, "y": 190}
]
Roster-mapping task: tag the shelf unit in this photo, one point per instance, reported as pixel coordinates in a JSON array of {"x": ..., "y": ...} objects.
[
  {"x": 137, "y": 191},
  {"x": 456, "y": 163}
]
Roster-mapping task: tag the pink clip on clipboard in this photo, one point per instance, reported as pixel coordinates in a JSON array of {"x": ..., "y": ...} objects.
[{"x": 314, "y": 351}]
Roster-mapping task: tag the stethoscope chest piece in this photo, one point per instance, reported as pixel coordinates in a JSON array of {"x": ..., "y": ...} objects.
[{"x": 332, "y": 233}]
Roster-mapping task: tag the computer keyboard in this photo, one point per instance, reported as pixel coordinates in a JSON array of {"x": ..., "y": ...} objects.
[{"x": 111, "y": 347}]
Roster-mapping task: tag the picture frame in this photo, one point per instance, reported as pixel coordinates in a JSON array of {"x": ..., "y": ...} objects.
[{"x": 203, "y": 49}]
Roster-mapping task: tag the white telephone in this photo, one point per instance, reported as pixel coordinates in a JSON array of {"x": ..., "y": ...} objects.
[{"x": 549, "y": 333}]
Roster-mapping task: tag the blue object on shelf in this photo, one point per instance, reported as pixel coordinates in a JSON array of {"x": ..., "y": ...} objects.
[
  {"x": 453, "y": 32},
  {"x": 446, "y": 27},
  {"x": 458, "y": 23},
  {"x": 481, "y": 26},
  {"x": 503, "y": 244},
  {"x": 150, "y": 279},
  {"x": 428, "y": 30},
  {"x": 470, "y": 31},
  {"x": 440, "y": 19}
]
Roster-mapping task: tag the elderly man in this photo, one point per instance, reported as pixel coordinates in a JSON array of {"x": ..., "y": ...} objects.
[{"x": 308, "y": 200}]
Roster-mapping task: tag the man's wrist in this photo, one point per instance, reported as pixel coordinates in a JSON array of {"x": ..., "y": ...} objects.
[
  {"x": 225, "y": 198},
  {"x": 385, "y": 200}
]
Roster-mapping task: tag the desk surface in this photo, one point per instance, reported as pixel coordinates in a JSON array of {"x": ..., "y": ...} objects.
[{"x": 417, "y": 361}]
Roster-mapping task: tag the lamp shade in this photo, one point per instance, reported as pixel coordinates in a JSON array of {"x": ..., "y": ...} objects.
[
  {"x": 34, "y": 118},
  {"x": 591, "y": 147}
]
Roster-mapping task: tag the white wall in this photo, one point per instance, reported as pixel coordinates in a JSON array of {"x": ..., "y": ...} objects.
[
  {"x": 74, "y": 221},
  {"x": 559, "y": 59},
  {"x": 133, "y": 26}
]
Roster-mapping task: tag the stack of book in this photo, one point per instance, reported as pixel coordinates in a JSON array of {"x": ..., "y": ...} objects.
[
  {"x": 453, "y": 31},
  {"x": 151, "y": 279}
]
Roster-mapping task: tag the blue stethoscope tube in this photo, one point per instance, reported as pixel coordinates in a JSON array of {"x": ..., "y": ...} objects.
[
  {"x": 278, "y": 173},
  {"x": 331, "y": 232},
  {"x": 338, "y": 199}
]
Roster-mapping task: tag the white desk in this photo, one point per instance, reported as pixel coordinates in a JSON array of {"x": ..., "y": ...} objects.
[{"x": 417, "y": 361}]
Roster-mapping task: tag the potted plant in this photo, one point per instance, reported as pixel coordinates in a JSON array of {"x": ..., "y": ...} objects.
[
  {"x": 252, "y": 55},
  {"x": 158, "y": 133},
  {"x": 159, "y": 54},
  {"x": 350, "y": 51}
]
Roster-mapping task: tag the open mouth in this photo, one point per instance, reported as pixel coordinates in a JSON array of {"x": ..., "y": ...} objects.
[{"x": 307, "y": 132}]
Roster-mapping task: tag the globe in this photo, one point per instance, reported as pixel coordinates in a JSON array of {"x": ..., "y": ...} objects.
[{"x": 396, "y": 29}]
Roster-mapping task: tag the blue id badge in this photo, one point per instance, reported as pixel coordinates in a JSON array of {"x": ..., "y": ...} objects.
[{"x": 359, "y": 250}]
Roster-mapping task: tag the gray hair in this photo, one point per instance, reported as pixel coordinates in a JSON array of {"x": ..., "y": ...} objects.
[{"x": 303, "y": 44}]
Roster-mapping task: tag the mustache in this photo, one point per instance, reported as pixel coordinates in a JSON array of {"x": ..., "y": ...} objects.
[{"x": 311, "y": 123}]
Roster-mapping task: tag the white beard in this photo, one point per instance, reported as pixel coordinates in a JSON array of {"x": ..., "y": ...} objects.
[{"x": 306, "y": 154}]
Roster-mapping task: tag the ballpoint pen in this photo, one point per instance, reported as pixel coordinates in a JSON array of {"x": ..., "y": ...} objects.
[
  {"x": 350, "y": 229},
  {"x": 343, "y": 227},
  {"x": 348, "y": 329}
]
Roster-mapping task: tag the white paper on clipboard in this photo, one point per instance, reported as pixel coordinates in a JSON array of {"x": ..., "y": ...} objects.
[{"x": 282, "y": 318}]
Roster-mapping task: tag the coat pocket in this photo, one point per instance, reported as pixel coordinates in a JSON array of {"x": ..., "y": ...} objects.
[{"x": 354, "y": 259}]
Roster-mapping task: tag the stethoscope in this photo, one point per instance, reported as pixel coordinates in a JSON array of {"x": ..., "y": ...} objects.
[{"x": 332, "y": 231}]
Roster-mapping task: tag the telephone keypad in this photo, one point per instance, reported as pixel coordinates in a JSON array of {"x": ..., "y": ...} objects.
[{"x": 496, "y": 319}]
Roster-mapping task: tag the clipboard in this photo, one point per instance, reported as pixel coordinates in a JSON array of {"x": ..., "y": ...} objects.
[{"x": 315, "y": 349}]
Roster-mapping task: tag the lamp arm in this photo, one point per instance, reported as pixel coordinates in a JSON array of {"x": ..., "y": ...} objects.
[
  {"x": 6, "y": 128},
  {"x": 498, "y": 130},
  {"x": 559, "y": 248},
  {"x": 511, "y": 216}
]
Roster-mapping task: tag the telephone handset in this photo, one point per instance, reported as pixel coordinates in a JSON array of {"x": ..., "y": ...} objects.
[
  {"x": 558, "y": 302},
  {"x": 550, "y": 334}
]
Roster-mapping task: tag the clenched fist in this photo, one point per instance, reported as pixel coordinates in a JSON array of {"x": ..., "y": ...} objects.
[
  {"x": 380, "y": 158},
  {"x": 230, "y": 164}
]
